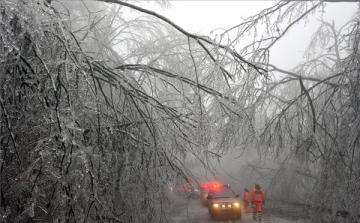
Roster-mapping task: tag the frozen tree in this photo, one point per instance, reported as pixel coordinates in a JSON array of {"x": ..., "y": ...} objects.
[
  {"x": 307, "y": 117},
  {"x": 98, "y": 110}
]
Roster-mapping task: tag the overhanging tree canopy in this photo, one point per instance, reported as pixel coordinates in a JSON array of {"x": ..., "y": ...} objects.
[{"x": 98, "y": 110}]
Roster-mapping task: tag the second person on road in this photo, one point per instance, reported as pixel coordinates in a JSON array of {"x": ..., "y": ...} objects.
[{"x": 257, "y": 201}]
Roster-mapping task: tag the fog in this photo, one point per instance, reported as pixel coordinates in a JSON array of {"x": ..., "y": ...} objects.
[{"x": 108, "y": 108}]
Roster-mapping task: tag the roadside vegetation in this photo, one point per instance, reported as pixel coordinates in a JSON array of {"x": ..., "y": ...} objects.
[{"x": 99, "y": 110}]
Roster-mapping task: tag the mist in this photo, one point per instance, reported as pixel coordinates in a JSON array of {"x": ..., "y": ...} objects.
[{"x": 164, "y": 111}]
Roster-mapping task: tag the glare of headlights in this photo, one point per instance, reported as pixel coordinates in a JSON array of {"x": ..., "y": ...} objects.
[
  {"x": 236, "y": 204},
  {"x": 216, "y": 205}
]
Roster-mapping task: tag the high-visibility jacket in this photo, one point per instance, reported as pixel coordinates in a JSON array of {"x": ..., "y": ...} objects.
[
  {"x": 246, "y": 196},
  {"x": 257, "y": 195}
]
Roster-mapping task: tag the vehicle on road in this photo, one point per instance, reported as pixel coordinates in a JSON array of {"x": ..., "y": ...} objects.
[
  {"x": 190, "y": 191},
  {"x": 204, "y": 191},
  {"x": 223, "y": 202},
  {"x": 193, "y": 193}
]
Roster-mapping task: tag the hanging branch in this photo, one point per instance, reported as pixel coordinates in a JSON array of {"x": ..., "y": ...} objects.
[
  {"x": 197, "y": 38},
  {"x": 310, "y": 102},
  {"x": 141, "y": 67}
]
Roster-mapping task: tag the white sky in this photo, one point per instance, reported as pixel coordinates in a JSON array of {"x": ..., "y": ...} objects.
[{"x": 204, "y": 16}]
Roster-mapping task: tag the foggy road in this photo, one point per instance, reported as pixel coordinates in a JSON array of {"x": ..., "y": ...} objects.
[
  {"x": 192, "y": 211},
  {"x": 119, "y": 111}
]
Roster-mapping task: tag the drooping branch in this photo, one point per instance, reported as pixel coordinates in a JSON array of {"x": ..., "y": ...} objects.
[
  {"x": 141, "y": 67},
  {"x": 198, "y": 38},
  {"x": 274, "y": 68},
  {"x": 303, "y": 89}
]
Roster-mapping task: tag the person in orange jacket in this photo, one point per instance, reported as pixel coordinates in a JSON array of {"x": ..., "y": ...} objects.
[
  {"x": 257, "y": 200},
  {"x": 246, "y": 200}
]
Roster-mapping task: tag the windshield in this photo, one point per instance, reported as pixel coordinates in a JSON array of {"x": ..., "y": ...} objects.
[{"x": 223, "y": 193}]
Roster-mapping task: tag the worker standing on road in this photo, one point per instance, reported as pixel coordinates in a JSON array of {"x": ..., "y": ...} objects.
[
  {"x": 246, "y": 200},
  {"x": 257, "y": 201}
]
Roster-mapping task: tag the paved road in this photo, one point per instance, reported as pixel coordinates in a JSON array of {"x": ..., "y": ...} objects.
[{"x": 192, "y": 211}]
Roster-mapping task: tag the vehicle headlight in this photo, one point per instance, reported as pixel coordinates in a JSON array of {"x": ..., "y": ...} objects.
[
  {"x": 215, "y": 205},
  {"x": 236, "y": 204}
]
